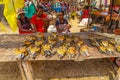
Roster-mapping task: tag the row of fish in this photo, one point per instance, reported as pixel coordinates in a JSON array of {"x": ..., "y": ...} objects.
[
  {"x": 70, "y": 45},
  {"x": 107, "y": 46}
]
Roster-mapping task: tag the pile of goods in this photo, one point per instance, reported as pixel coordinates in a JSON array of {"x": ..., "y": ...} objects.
[
  {"x": 104, "y": 45},
  {"x": 70, "y": 45}
]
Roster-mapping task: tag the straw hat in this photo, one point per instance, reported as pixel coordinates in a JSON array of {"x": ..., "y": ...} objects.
[{"x": 20, "y": 11}]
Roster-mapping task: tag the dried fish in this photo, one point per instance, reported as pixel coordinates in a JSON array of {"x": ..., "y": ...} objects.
[
  {"x": 105, "y": 43},
  {"x": 102, "y": 49},
  {"x": 71, "y": 52},
  {"x": 21, "y": 52},
  {"x": 110, "y": 49},
  {"x": 39, "y": 42},
  {"x": 84, "y": 50},
  {"x": 61, "y": 51},
  {"x": 118, "y": 48},
  {"x": 46, "y": 50},
  {"x": 27, "y": 43},
  {"x": 33, "y": 39},
  {"x": 34, "y": 51},
  {"x": 41, "y": 36}
]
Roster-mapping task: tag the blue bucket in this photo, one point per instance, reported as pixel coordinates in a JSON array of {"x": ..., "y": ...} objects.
[{"x": 95, "y": 27}]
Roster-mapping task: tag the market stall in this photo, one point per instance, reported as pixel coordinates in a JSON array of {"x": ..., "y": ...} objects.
[{"x": 9, "y": 44}]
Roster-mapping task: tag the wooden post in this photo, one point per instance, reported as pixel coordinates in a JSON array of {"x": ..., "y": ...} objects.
[
  {"x": 100, "y": 4},
  {"x": 118, "y": 75},
  {"x": 111, "y": 10},
  {"x": 90, "y": 9},
  {"x": 21, "y": 70},
  {"x": 28, "y": 70}
]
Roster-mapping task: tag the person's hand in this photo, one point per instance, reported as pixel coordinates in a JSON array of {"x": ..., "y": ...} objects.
[
  {"x": 45, "y": 19},
  {"x": 33, "y": 31},
  {"x": 68, "y": 26}
]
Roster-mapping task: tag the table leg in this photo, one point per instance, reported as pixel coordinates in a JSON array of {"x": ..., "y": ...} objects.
[
  {"x": 28, "y": 70},
  {"x": 21, "y": 70},
  {"x": 118, "y": 75}
]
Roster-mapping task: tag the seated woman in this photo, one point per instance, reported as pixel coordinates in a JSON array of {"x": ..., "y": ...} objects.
[
  {"x": 23, "y": 23},
  {"x": 61, "y": 24}
]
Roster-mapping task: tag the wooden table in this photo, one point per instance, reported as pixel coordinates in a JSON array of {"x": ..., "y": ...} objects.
[
  {"x": 9, "y": 42},
  {"x": 115, "y": 18},
  {"x": 107, "y": 17},
  {"x": 98, "y": 13}
]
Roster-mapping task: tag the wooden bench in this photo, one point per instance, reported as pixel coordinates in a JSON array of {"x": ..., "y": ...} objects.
[{"x": 9, "y": 42}]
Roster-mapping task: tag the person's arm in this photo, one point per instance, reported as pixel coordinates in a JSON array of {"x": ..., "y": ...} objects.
[
  {"x": 66, "y": 21},
  {"x": 20, "y": 26},
  {"x": 57, "y": 26},
  {"x": 31, "y": 27},
  {"x": 33, "y": 23},
  {"x": 46, "y": 22},
  {"x": 34, "y": 27}
]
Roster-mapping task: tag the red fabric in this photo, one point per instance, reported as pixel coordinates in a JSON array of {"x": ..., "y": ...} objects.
[
  {"x": 39, "y": 23},
  {"x": 85, "y": 14}
]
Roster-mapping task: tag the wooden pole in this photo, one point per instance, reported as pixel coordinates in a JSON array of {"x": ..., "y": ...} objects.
[
  {"x": 88, "y": 26},
  {"x": 100, "y": 4},
  {"x": 111, "y": 10}
]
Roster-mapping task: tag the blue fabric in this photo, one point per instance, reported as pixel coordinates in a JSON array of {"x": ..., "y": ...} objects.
[{"x": 58, "y": 9}]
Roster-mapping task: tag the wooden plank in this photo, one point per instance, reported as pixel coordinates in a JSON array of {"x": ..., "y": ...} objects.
[
  {"x": 7, "y": 55},
  {"x": 8, "y": 45},
  {"x": 28, "y": 70},
  {"x": 21, "y": 70}
]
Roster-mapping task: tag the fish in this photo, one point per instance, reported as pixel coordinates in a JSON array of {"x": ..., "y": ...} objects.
[
  {"x": 61, "y": 51},
  {"x": 71, "y": 52},
  {"x": 118, "y": 48},
  {"x": 84, "y": 50}
]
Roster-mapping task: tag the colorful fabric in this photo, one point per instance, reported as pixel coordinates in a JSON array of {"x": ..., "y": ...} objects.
[
  {"x": 30, "y": 10},
  {"x": 10, "y": 12},
  {"x": 85, "y": 14},
  {"x": 1, "y": 1}
]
